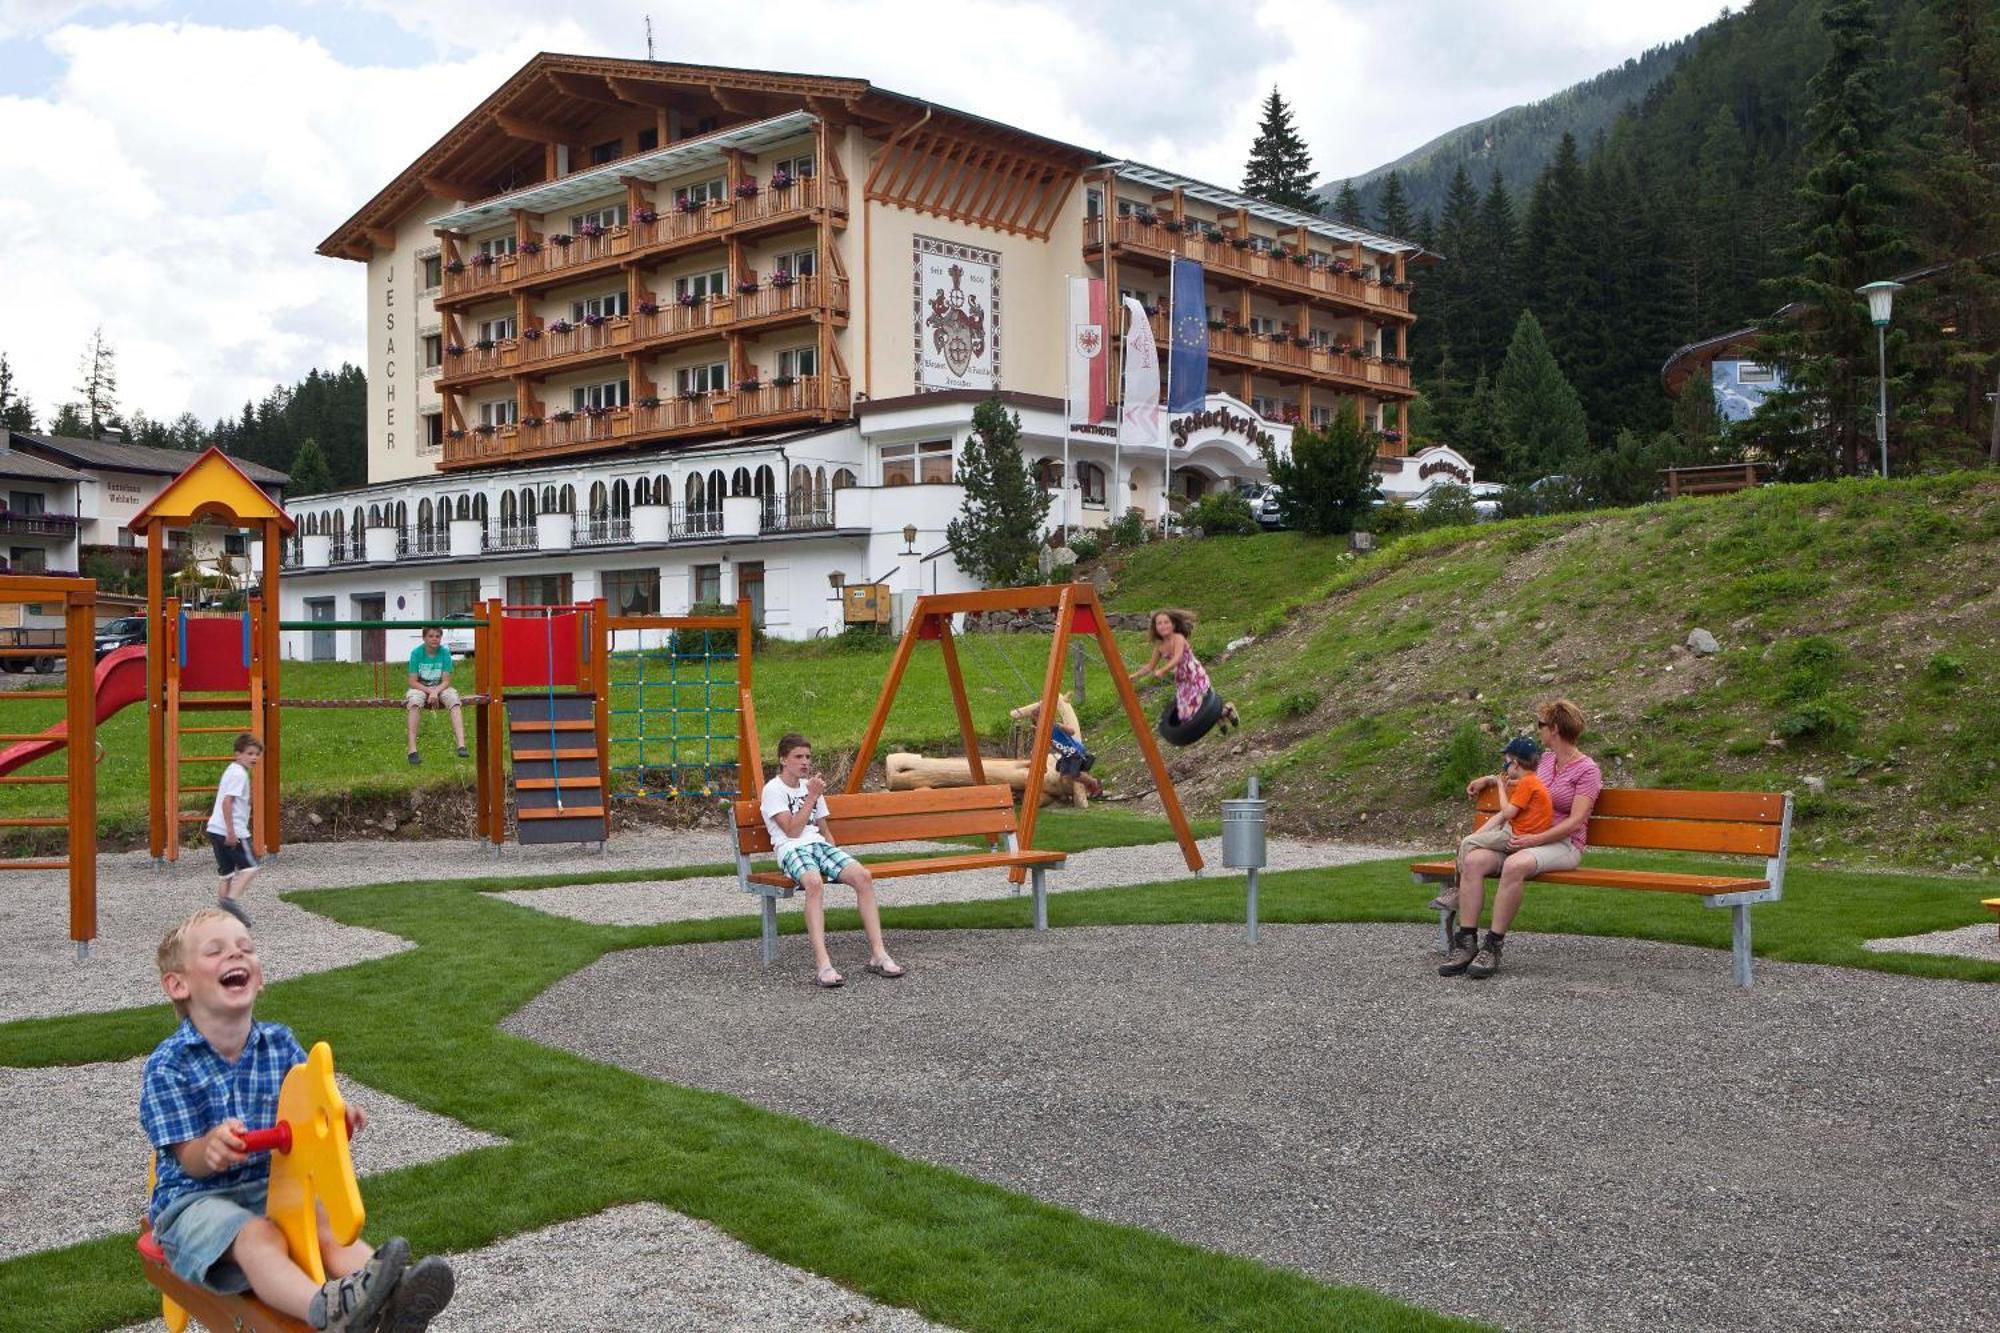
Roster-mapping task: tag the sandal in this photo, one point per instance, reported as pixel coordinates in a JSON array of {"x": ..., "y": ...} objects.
[
  {"x": 835, "y": 984},
  {"x": 883, "y": 970}
]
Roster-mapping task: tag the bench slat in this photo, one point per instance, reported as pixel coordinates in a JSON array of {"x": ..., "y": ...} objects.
[
  {"x": 863, "y": 818},
  {"x": 936, "y": 865},
  {"x": 1685, "y": 835},
  {"x": 915, "y": 828},
  {"x": 928, "y": 800},
  {"x": 1657, "y": 881},
  {"x": 1735, "y": 807}
]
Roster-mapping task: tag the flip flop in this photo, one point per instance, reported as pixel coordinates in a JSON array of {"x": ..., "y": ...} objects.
[
  {"x": 882, "y": 971},
  {"x": 820, "y": 979}
]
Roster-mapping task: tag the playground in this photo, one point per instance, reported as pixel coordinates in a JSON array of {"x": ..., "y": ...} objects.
[{"x": 601, "y": 1080}]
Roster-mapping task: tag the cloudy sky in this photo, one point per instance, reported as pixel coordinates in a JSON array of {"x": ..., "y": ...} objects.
[{"x": 166, "y": 169}]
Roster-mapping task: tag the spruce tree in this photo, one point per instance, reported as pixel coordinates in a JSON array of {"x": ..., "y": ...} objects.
[
  {"x": 1392, "y": 210},
  {"x": 1347, "y": 206},
  {"x": 1540, "y": 421},
  {"x": 1478, "y": 435},
  {"x": 309, "y": 472},
  {"x": 1494, "y": 296},
  {"x": 16, "y": 412},
  {"x": 1280, "y": 166},
  {"x": 99, "y": 389},
  {"x": 998, "y": 532},
  {"x": 1327, "y": 483}
]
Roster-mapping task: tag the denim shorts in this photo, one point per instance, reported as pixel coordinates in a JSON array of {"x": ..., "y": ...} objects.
[
  {"x": 196, "y": 1231},
  {"x": 828, "y": 859},
  {"x": 229, "y": 860}
]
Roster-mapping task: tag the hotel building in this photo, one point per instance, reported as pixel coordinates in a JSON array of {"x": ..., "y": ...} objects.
[{"x": 670, "y": 334}]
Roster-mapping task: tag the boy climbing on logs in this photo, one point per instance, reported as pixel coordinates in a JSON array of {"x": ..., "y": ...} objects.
[
  {"x": 217, "y": 1076},
  {"x": 794, "y": 809}
]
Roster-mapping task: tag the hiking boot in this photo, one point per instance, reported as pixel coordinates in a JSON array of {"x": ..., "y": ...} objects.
[
  {"x": 1464, "y": 948},
  {"x": 352, "y": 1304},
  {"x": 1487, "y": 961},
  {"x": 1446, "y": 901},
  {"x": 419, "y": 1298}
]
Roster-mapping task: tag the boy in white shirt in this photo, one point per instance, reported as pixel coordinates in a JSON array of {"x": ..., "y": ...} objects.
[
  {"x": 229, "y": 828},
  {"x": 795, "y": 814}
]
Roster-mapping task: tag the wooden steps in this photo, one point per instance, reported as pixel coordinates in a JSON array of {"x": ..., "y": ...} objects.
[{"x": 558, "y": 778}]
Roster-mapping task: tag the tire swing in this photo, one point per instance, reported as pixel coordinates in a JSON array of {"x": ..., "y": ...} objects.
[{"x": 1186, "y": 731}]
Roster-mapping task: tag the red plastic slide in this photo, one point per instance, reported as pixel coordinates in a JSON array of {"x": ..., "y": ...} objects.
[{"x": 120, "y": 680}]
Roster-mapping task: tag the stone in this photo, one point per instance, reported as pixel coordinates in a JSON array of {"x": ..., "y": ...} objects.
[
  {"x": 1244, "y": 642},
  {"x": 1815, "y": 785},
  {"x": 314, "y": 820},
  {"x": 1702, "y": 643},
  {"x": 389, "y": 823}
]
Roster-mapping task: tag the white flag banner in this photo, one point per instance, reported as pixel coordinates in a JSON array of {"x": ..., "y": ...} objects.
[{"x": 1139, "y": 422}]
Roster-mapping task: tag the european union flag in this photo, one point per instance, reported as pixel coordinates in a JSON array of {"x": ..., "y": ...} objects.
[{"x": 1187, "y": 371}]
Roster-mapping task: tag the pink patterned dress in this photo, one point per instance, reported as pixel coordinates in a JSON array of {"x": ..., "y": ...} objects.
[{"x": 1190, "y": 685}]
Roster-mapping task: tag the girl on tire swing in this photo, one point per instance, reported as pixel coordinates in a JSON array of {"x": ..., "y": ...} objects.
[{"x": 1196, "y": 706}]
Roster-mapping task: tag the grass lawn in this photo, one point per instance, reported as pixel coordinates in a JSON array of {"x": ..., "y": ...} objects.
[{"x": 423, "y": 1025}]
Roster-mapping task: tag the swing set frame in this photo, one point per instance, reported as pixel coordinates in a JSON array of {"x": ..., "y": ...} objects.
[{"x": 1078, "y": 612}]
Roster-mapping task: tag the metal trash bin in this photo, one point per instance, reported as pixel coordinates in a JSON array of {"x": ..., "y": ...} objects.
[{"x": 1243, "y": 843}]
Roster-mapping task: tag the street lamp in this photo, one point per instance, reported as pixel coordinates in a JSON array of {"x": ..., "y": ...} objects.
[
  {"x": 909, "y": 539},
  {"x": 1880, "y": 295}
]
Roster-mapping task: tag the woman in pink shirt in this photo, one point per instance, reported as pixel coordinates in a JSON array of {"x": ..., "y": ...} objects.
[{"x": 1574, "y": 781}]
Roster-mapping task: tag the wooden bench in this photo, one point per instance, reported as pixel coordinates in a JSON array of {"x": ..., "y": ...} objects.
[
  {"x": 1746, "y": 823},
  {"x": 864, "y": 818}
]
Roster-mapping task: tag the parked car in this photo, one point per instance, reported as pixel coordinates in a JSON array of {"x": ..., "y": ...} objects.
[
  {"x": 458, "y": 638},
  {"x": 1270, "y": 516},
  {"x": 1485, "y": 498},
  {"x": 120, "y": 633}
]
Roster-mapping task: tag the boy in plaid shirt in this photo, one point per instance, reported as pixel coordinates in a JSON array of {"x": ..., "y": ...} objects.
[{"x": 215, "y": 1077}]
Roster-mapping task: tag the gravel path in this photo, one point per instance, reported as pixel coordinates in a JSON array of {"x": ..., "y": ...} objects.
[
  {"x": 1608, "y": 1136},
  {"x": 73, "y": 1159},
  {"x": 641, "y": 904},
  {"x": 1981, "y": 941}
]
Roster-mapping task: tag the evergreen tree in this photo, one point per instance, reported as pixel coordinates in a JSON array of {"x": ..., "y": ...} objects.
[
  {"x": 71, "y": 422},
  {"x": 309, "y": 471},
  {"x": 1327, "y": 484},
  {"x": 998, "y": 532},
  {"x": 16, "y": 412},
  {"x": 1541, "y": 423},
  {"x": 99, "y": 388},
  {"x": 1280, "y": 166},
  {"x": 1846, "y": 237},
  {"x": 1720, "y": 248},
  {"x": 1392, "y": 213},
  {"x": 1347, "y": 206},
  {"x": 1493, "y": 287},
  {"x": 1478, "y": 435}
]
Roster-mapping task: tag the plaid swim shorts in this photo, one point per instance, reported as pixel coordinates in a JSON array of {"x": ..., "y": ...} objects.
[{"x": 828, "y": 859}]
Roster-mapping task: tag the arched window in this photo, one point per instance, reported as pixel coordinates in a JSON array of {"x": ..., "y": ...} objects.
[
  {"x": 478, "y": 508},
  {"x": 621, "y": 498},
  {"x": 550, "y": 504},
  {"x": 694, "y": 491},
  {"x": 360, "y": 522},
  {"x": 510, "y": 510},
  {"x": 1090, "y": 480},
  {"x": 529, "y": 505},
  {"x": 642, "y": 491},
  {"x": 402, "y": 517},
  {"x": 718, "y": 486},
  {"x": 663, "y": 493},
  {"x": 1048, "y": 473},
  {"x": 424, "y": 515},
  {"x": 600, "y": 502},
  {"x": 819, "y": 488},
  {"x": 374, "y": 516},
  {"x": 844, "y": 478},
  {"x": 739, "y": 481},
  {"x": 567, "y": 500},
  {"x": 801, "y": 480}
]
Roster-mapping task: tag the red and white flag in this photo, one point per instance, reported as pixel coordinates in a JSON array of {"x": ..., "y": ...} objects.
[
  {"x": 1140, "y": 422},
  {"x": 1089, "y": 386}
]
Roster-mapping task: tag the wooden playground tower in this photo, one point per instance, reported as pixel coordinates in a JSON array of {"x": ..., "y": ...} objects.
[{"x": 1077, "y": 611}]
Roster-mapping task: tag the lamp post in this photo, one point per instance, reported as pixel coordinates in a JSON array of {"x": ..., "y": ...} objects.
[
  {"x": 909, "y": 539},
  {"x": 1880, "y": 295}
]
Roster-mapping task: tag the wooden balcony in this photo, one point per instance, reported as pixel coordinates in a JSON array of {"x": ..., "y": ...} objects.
[
  {"x": 1279, "y": 353},
  {"x": 672, "y": 231},
  {"x": 811, "y": 398},
  {"x": 1224, "y": 259},
  {"x": 549, "y": 349}
]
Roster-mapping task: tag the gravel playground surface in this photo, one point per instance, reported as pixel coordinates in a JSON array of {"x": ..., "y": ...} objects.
[
  {"x": 1607, "y": 1136},
  {"x": 1981, "y": 941}
]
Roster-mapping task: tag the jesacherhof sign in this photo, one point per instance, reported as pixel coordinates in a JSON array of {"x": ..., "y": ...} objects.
[
  {"x": 1223, "y": 420},
  {"x": 1445, "y": 467}
]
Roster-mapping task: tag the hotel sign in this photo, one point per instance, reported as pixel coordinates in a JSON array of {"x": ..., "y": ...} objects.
[
  {"x": 389, "y": 356},
  {"x": 1222, "y": 421}
]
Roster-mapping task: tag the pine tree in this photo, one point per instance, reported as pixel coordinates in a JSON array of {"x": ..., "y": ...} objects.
[
  {"x": 1327, "y": 483},
  {"x": 1846, "y": 237},
  {"x": 16, "y": 412},
  {"x": 1541, "y": 423},
  {"x": 1392, "y": 211},
  {"x": 1720, "y": 247},
  {"x": 309, "y": 471},
  {"x": 71, "y": 422},
  {"x": 1347, "y": 206},
  {"x": 1280, "y": 166},
  {"x": 1478, "y": 435},
  {"x": 99, "y": 390},
  {"x": 1493, "y": 287},
  {"x": 998, "y": 532}
]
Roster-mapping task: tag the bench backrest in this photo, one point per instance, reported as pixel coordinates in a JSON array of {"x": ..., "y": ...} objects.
[
  {"x": 895, "y": 816},
  {"x": 1745, "y": 823}
]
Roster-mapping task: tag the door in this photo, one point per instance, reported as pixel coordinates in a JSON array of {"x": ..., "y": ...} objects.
[
  {"x": 374, "y": 642},
  {"x": 750, "y": 584},
  {"x": 319, "y": 646}
]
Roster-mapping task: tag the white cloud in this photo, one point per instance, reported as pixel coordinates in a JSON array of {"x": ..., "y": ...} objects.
[{"x": 172, "y": 181}]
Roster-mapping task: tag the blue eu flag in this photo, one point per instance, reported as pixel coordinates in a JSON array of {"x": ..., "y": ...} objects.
[{"x": 1187, "y": 336}]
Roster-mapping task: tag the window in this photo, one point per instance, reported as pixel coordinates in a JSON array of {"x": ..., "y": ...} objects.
[
  {"x": 844, "y": 478},
  {"x": 1090, "y": 481},
  {"x": 702, "y": 192},
  {"x": 498, "y": 247},
  {"x": 538, "y": 590},
  {"x": 1749, "y": 372},
  {"x": 703, "y": 379},
  {"x": 1263, "y": 327},
  {"x": 454, "y": 597},
  {"x": 632, "y": 592},
  {"x": 1048, "y": 474},
  {"x": 750, "y": 588},
  {"x": 430, "y": 272},
  {"x": 28, "y": 559},
  {"x": 908, "y": 464},
  {"x": 1261, "y": 244},
  {"x": 608, "y": 151},
  {"x": 612, "y": 393},
  {"x": 708, "y": 584},
  {"x": 798, "y": 361},
  {"x": 798, "y": 263},
  {"x": 433, "y": 436},
  {"x": 798, "y": 168},
  {"x": 607, "y": 217},
  {"x": 1268, "y": 408},
  {"x": 236, "y": 543},
  {"x": 499, "y": 412},
  {"x": 433, "y": 351},
  {"x": 1125, "y": 208},
  {"x": 1093, "y": 204},
  {"x": 701, "y": 286},
  {"x": 1322, "y": 417},
  {"x": 496, "y": 330},
  {"x": 609, "y": 306},
  {"x": 27, "y": 503},
  {"x": 648, "y": 140}
]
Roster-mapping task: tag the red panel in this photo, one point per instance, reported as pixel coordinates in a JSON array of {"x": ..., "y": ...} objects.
[
  {"x": 215, "y": 647},
  {"x": 929, "y": 629},
  {"x": 530, "y": 645},
  {"x": 1084, "y": 621}
]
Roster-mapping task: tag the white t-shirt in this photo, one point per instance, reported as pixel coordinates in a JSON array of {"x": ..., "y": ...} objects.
[
  {"x": 782, "y": 800},
  {"x": 235, "y": 782}
]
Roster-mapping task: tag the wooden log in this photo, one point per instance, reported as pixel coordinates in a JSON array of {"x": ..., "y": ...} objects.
[{"x": 916, "y": 772}]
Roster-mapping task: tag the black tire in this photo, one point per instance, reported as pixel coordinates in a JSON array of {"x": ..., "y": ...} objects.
[
  {"x": 1186, "y": 731},
  {"x": 15, "y": 665},
  {"x": 45, "y": 666}
]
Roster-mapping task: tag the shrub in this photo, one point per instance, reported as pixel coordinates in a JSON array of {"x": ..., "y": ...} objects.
[
  {"x": 1221, "y": 514},
  {"x": 1299, "y": 703},
  {"x": 1393, "y": 520},
  {"x": 1944, "y": 667},
  {"x": 1450, "y": 506},
  {"x": 1463, "y": 758},
  {"x": 1086, "y": 545},
  {"x": 1327, "y": 483},
  {"x": 1128, "y": 529}
]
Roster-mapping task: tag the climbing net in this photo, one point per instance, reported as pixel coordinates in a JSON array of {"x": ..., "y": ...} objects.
[{"x": 674, "y": 716}]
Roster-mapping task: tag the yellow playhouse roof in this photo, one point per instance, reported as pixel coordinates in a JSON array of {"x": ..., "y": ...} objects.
[{"x": 212, "y": 487}]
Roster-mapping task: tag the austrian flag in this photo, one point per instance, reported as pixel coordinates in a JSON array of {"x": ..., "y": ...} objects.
[{"x": 1089, "y": 391}]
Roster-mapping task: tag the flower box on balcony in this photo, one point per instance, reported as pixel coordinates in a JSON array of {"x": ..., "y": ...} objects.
[
  {"x": 1145, "y": 217},
  {"x": 750, "y": 385},
  {"x": 685, "y": 205},
  {"x": 484, "y": 344},
  {"x": 455, "y": 266},
  {"x": 748, "y": 286},
  {"x": 650, "y": 400},
  {"x": 1301, "y": 340},
  {"x": 531, "y": 247},
  {"x": 784, "y": 381},
  {"x": 782, "y": 279},
  {"x": 482, "y": 260},
  {"x": 563, "y": 416},
  {"x": 781, "y": 180},
  {"x": 590, "y": 231},
  {"x": 594, "y": 321},
  {"x": 531, "y": 334},
  {"x": 649, "y": 307},
  {"x": 1240, "y": 242},
  {"x": 1301, "y": 258},
  {"x": 689, "y": 299},
  {"x": 645, "y": 215},
  {"x": 453, "y": 349},
  {"x": 1239, "y": 328},
  {"x": 562, "y": 238},
  {"x": 1170, "y": 224},
  {"x": 562, "y": 326},
  {"x": 484, "y": 428},
  {"x": 747, "y": 190},
  {"x": 1216, "y": 326}
]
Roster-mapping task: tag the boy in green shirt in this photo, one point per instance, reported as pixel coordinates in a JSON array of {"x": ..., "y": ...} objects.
[{"x": 430, "y": 687}]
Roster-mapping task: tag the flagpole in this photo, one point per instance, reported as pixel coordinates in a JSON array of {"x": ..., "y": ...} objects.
[
  {"x": 1117, "y": 497},
  {"x": 1166, "y": 450},
  {"x": 1069, "y": 398}
]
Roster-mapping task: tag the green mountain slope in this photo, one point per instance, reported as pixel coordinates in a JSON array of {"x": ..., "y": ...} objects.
[{"x": 1857, "y": 624}]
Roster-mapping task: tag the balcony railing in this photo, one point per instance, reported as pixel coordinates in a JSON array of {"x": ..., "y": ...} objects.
[
  {"x": 703, "y": 414},
  {"x": 671, "y": 229},
  {"x": 42, "y": 525},
  {"x": 1317, "y": 275},
  {"x": 686, "y": 523},
  {"x": 1281, "y": 350},
  {"x": 798, "y": 514},
  {"x": 603, "y": 531},
  {"x": 514, "y": 537}
]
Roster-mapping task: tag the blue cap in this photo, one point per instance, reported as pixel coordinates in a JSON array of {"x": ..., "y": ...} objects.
[{"x": 1523, "y": 749}]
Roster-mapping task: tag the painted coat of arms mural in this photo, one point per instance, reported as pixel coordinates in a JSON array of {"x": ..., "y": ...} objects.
[{"x": 957, "y": 315}]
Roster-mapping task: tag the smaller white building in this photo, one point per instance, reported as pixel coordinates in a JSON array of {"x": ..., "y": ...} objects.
[{"x": 38, "y": 513}]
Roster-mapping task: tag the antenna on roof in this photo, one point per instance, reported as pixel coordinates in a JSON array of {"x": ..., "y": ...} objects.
[{"x": 649, "y": 36}]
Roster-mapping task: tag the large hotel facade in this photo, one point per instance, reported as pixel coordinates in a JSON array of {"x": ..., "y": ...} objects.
[{"x": 669, "y": 334}]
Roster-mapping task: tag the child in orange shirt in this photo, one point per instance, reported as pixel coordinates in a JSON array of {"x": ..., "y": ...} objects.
[{"x": 1524, "y": 808}]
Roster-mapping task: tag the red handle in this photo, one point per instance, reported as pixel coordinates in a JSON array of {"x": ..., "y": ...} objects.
[{"x": 278, "y": 1138}]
